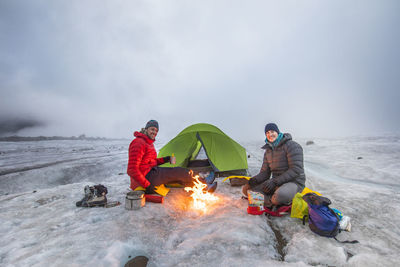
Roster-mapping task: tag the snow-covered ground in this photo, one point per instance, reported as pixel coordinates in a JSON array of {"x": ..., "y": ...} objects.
[{"x": 41, "y": 226}]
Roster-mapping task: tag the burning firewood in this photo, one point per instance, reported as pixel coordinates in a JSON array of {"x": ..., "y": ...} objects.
[{"x": 200, "y": 196}]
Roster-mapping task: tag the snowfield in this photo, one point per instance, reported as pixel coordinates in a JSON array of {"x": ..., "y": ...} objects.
[{"x": 41, "y": 226}]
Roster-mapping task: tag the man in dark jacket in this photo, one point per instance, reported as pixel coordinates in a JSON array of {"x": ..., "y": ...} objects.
[
  {"x": 282, "y": 172},
  {"x": 143, "y": 164}
]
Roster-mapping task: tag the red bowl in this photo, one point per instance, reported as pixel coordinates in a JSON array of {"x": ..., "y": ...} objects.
[{"x": 254, "y": 210}]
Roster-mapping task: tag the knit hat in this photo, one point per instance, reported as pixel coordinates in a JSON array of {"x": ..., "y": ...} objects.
[
  {"x": 271, "y": 126},
  {"x": 152, "y": 123}
]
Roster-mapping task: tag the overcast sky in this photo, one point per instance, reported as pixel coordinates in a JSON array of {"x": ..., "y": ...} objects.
[{"x": 104, "y": 68}]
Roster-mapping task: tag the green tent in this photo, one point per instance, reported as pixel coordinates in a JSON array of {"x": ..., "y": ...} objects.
[{"x": 225, "y": 156}]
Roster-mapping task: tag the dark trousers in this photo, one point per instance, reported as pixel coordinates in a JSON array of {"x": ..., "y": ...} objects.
[
  {"x": 158, "y": 176},
  {"x": 283, "y": 195}
]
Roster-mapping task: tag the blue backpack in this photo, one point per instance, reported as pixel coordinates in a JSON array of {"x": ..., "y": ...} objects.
[{"x": 322, "y": 220}]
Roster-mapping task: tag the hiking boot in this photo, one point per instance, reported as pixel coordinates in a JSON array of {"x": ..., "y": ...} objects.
[
  {"x": 207, "y": 177},
  {"x": 97, "y": 201},
  {"x": 94, "y": 196},
  {"x": 88, "y": 191},
  {"x": 92, "y": 201},
  {"x": 82, "y": 202},
  {"x": 245, "y": 188},
  {"x": 211, "y": 187},
  {"x": 88, "y": 195}
]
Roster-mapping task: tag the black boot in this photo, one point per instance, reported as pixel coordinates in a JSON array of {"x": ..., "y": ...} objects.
[{"x": 211, "y": 187}]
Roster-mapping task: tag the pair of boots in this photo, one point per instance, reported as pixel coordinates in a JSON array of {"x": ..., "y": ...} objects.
[
  {"x": 94, "y": 196},
  {"x": 208, "y": 178}
]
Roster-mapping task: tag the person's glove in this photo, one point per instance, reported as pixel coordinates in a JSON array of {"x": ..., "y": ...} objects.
[
  {"x": 150, "y": 189},
  {"x": 167, "y": 159},
  {"x": 252, "y": 182},
  {"x": 269, "y": 186}
]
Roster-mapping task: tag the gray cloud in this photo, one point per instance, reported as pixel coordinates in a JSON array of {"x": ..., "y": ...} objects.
[
  {"x": 12, "y": 126},
  {"x": 316, "y": 68}
]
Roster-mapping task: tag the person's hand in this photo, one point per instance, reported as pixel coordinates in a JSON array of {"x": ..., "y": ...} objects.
[
  {"x": 150, "y": 189},
  {"x": 269, "y": 186},
  {"x": 252, "y": 182},
  {"x": 167, "y": 159}
]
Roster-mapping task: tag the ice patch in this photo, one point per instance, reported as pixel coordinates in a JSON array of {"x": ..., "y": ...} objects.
[{"x": 45, "y": 228}]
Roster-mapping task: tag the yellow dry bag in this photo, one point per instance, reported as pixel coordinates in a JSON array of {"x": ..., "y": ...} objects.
[{"x": 299, "y": 206}]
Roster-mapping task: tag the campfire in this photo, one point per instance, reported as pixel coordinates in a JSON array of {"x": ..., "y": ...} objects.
[{"x": 200, "y": 196}]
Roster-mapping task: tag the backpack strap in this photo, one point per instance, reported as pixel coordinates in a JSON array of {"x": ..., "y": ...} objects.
[
  {"x": 340, "y": 230},
  {"x": 304, "y": 219},
  {"x": 337, "y": 221}
]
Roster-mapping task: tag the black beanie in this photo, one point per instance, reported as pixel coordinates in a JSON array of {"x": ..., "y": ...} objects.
[
  {"x": 271, "y": 126},
  {"x": 152, "y": 123}
]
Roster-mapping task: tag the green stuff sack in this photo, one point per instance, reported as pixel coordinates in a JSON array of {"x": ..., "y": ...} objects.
[{"x": 299, "y": 207}]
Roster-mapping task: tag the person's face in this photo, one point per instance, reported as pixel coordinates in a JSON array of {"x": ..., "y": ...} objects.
[
  {"x": 271, "y": 136},
  {"x": 152, "y": 132}
]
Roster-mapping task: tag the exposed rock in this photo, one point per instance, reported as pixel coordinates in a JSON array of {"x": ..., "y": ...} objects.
[{"x": 138, "y": 261}]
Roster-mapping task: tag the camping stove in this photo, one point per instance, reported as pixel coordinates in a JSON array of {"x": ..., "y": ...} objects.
[{"x": 134, "y": 200}]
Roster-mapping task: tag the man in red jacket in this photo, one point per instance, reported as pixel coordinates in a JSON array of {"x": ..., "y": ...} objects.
[{"x": 143, "y": 164}]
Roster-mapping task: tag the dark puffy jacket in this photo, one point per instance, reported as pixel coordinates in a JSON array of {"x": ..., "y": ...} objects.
[
  {"x": 142, "y": 157},
  {"x": 284, "y": 162}
]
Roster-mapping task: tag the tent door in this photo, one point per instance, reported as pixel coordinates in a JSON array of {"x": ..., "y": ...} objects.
[
  {"x": 205, "y": 150},
  {"x": 199, "y": 158}
]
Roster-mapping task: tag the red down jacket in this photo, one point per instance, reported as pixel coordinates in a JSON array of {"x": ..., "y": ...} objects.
[{"x": 142, "y": 157}]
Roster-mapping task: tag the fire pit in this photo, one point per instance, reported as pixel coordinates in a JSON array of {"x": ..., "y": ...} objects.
[{"x": 200, "y": 196}]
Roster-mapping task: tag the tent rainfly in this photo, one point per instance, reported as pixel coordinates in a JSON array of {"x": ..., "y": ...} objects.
[{"x": 225, "y": 156}]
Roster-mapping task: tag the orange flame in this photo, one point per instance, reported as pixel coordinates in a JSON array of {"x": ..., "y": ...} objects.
[{"x": 199, "y": 195}]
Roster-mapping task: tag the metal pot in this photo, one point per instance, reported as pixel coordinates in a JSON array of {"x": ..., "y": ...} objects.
[{"x": 134, "y": 200}]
